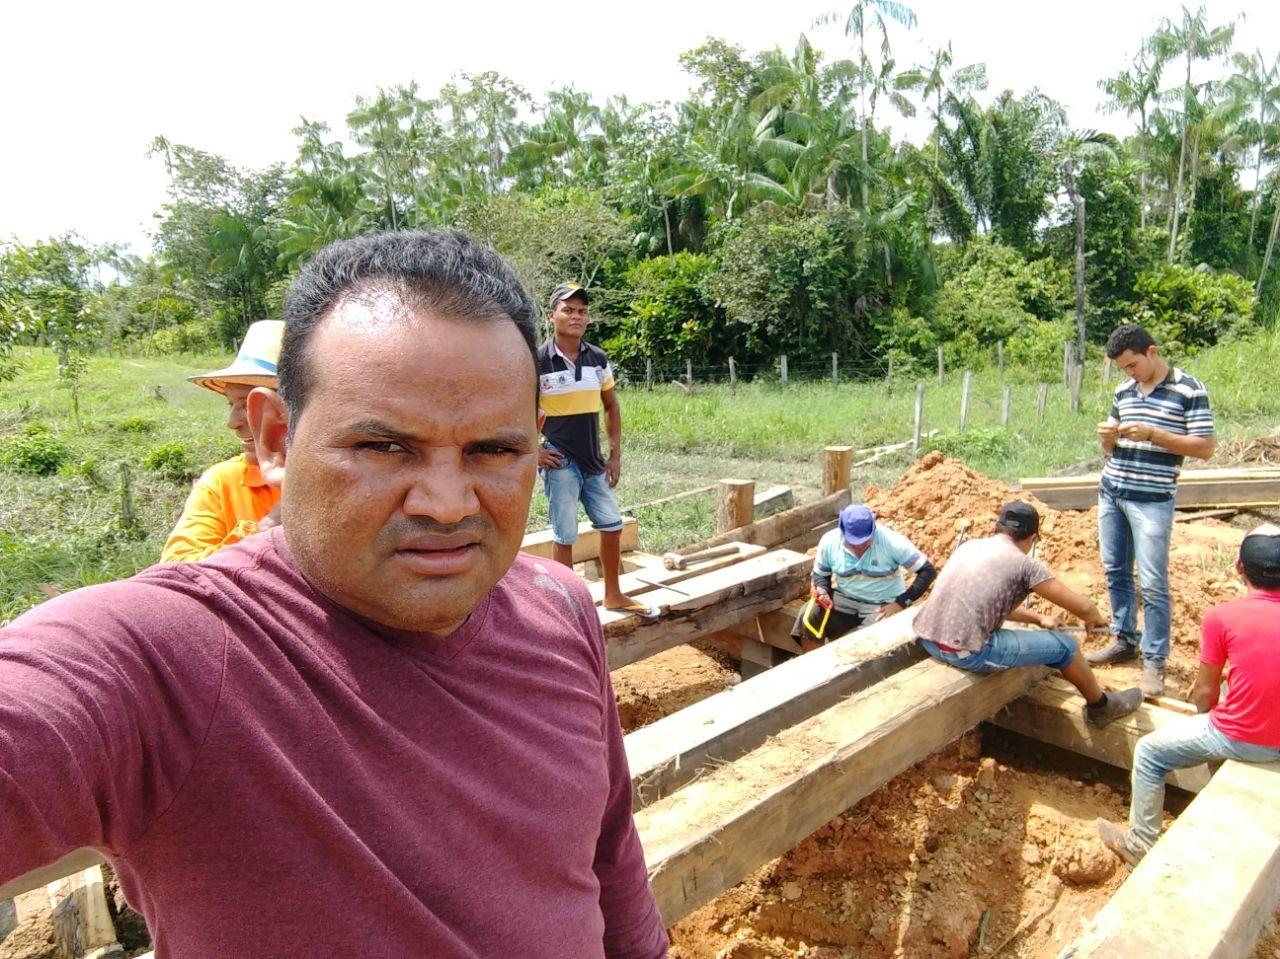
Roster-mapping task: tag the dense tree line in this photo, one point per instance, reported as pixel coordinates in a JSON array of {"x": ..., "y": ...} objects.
[{"x": 771, "y": 212}]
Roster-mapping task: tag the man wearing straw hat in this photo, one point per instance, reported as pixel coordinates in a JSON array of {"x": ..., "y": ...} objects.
[{"x": 232, "y": 499}]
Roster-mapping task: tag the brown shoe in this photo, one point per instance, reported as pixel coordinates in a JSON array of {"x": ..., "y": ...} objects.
[
  {"x": 1117, "y": 840},
  {"x": 1118, "y": 704},
  {"x": 1152, "y": 684},
  {"x": 1118, "y": 652}
]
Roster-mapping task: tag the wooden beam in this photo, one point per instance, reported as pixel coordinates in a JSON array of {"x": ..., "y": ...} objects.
[
  {"x": 654, "y": 575},
  {"x": 835, "y": 468},
  {"x": 1208, "y": 487},
  {"x": 71, "y": 862},
  {"x": 81, "y": 921},
  {"x": 716, "y": 830},
  {"x": 774, "y": 500},
  {"x": 794, "y": 524},
  {"x": 1207, "y": 888},
  {"x": 676, "y": 749},
  {"x": 705, "y": 604},
  {"x": 1051, "y": 714},
  {"x": 735, "y": 504},
  {"x": 588, "y": 543}
]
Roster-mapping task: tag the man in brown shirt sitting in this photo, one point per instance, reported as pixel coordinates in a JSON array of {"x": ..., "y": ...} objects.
[{"x": 984, "y": 584}]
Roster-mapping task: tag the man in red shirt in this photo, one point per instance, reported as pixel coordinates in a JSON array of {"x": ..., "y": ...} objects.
[
  {"x": 381, "y": 702},
  {"x": 1245, "y": 724}
]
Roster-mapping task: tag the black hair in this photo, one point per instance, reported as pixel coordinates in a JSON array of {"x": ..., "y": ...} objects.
[
  {"x": 1260, "y": 559},
  {"x": 1015, "y": 533},
  {"x": 1128, "y": 336},
  {"x": 441, "y": 271}
]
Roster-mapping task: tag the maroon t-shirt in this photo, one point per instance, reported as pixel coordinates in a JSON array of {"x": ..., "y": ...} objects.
[{"x": 272, "y": 775}]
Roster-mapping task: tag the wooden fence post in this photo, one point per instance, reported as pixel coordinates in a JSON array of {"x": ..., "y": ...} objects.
[
  {"x": 784, "y": 369},
  {"x": 964, "y": 399},
  {"x": 1000, "y": 358},
  {"x": 835, "y": 468},
  {"x": 736, "y": 504},
  {"x": 1006, "y": 401},
  {"x": 688, "y": 372},
  {"x": 127, "y": 515},
  {"x": 1077, "y": 378},
  {"x": 648, "y": 373},
  {"x": 942, "y": 368},
  {"x": 733, "y": 374},
  {"x": 1106, "y": 373},
  {"x": 915, "y": 435},
  {"x": 1042, "y": 395},
  {"x": 835, "y": 369},
  {"x": 1068, "y": 357}
]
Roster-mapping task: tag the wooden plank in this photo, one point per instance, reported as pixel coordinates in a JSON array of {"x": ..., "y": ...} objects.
[
  {"x": 677, "y": 748},
  {"x": 777, "y": 530},
  {"x": 71, "y": 862},
  {"x": 81, "y": 921},
  {"x": 1051, "y": 714},
  {"x": 1207, "y": 888},
  {"x": 1207, "y": 487},
  {"x": 588, "y": 543},
  {"x": 705, "y": 604},
  {"x": 716, "y": 830},
  {"x": 774, "y": 500},
  {"x": 652, "y": 576}
]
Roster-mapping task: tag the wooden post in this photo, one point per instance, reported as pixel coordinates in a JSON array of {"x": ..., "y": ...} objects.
[
  {"x": 127, "y": 515},
  {"x": 688, "y": 372},
  {"x": 1000, "y": 358},
  {"x": 648, "y": 373},
  {"x": 784, "y": 369},
  {"x": 915, "y": 436},
  {"x": 835, "y": 369},
  {"x": 965, "y": 383},
  {"x": 942, "y": 368},
  {"x": 1068, "y": 356},
  {"x": 733, "y": 374},
  {"x": 1041, "y": 396},
  {"x": 835, "y": 468},
  {"x": 1106, "y": 373},
  {"x": 736, "y": 504},
  {"x": 1077, "y": 378},
  {"x": 1006, "y": 403}
]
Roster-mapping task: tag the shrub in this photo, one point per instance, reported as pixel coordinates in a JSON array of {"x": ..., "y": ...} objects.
[
  {"x": 195, "y": 336},
  {"x": 671, "y": 312},
  {"x": 1187, "y": 309},
  {"x": 88, "y": 469},
  {"x": 36, "y": 451},
  {"x": 170, "y": 460},
  {"x": 973, "y": 445},
  {"x": 136, "y": 425}
]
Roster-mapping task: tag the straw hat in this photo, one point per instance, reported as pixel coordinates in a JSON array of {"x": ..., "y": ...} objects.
[{"x": 254, "y": 365}]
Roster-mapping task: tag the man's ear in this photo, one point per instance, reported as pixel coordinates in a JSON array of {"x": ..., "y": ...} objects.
[{"x": 269, "y": 421}]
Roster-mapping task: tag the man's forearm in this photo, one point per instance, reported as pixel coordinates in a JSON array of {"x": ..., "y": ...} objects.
[
  {"x": 1200, "y": 447},
  {"x": 613, "y": 429}
]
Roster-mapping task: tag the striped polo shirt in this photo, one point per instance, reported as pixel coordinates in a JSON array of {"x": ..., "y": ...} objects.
[
  {"x": 876, "y": 575},
  {"x": 1145, "y": 471},
  {"x": 569, "y": 397}
]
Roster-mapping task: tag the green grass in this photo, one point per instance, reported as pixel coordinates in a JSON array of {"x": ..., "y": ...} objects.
[{"x": 67, "y": 529}]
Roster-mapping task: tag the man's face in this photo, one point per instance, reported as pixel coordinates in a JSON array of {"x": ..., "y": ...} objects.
[
  {"x": 1141, "y": 366},
  {"x": 570, "y": 317},
  {"x": 237, "y": 422},
  {"x": 412, "y": 464}
]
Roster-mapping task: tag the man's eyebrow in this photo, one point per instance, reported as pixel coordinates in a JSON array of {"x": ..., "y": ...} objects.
[
  {"x": 511, "y": 437},
  {"x": 375, "y": 427}
]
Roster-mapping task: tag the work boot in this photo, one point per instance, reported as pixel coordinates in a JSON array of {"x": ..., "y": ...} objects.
[
  {"x": 1118, "y": 704},
  {"x": 1152, "y": 683},
  {"x": 1117, "y": 840},
  {"x": 1118, "y": 652}
]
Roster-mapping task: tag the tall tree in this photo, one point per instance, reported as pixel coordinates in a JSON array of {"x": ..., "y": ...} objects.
[
  {"x": 1257, "y": 86},
  {"x": 1072, "y": 152},
  {"x": 1135, "y": 90}
]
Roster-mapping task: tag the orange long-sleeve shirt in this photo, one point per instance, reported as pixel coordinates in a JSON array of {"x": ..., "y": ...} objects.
[{"x": 224, "y": 507}]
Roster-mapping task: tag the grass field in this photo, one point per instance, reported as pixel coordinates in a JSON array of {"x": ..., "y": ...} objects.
[{"x": 68, "y": 528}]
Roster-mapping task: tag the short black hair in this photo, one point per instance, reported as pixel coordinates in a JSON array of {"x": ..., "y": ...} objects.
[
  {"x": 444, "y": 271},
  {"x": 1128, "y": 336},
  {"x": 1260, "y": 559},
  {"x": 1019, "y": 520}
]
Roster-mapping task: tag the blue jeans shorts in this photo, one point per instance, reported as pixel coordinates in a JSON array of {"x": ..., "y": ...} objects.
[
  {"x": 1007, "y": 648},
  {"x": 568, "y": 486}
]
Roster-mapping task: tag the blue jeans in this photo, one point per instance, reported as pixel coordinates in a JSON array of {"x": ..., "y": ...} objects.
[
  {"x": 1007, "y": 648},
  {"x": 1130, "y": 531},
  {"x": 565, "y": 488},
  {"x": 1188, "y": 742}
]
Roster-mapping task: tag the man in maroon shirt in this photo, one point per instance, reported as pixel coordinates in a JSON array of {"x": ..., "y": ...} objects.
[
  {"x": 381, "y": 703},
  {"x": 1244, "y": 725}
]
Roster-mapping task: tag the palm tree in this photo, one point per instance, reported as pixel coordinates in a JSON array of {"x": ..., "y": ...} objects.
[
  {"x": 933, "y": 81},
  {"x": 1196, "y": 40},
  {"x": 1134, "y": 90},
  {"x": 1258, "y": 86}
]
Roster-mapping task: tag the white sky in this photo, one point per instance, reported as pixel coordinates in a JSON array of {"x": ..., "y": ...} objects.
[{"x": 85, "y": 86}]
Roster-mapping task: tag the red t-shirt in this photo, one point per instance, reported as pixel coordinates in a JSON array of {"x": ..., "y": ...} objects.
[
  {"x": 274, "y": 776},
  {"x": 1246, "y": 633}
]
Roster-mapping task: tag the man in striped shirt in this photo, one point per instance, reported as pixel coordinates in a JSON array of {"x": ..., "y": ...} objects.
[{"x": 1160, "y": 415}]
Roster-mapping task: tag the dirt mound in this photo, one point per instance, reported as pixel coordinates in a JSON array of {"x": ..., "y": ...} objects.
[
  {"x": 658, "y": 686},
  {"x": 956, "y": 850},
  {"x": 937, "y": 497}
]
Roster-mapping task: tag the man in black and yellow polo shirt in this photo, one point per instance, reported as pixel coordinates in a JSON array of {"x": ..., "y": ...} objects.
[{"x": 575, "y": 381}]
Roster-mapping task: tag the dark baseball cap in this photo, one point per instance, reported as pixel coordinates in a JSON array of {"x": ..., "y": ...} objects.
[
  {"x": 567, "y": 289},
  {"x": 857, "y": 524},
  {"x": 1260, "y": 550},
  {"x": 1020, "y": 516}
]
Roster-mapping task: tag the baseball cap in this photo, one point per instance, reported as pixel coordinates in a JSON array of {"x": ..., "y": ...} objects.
[
  {"x": 857, "y": 524},
  {"x": 1020, "y": 516},
  {"x": 567, "y": 289},
  {"x": 1260, "y": 549},
  {"x": 254, "y": 365}
]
